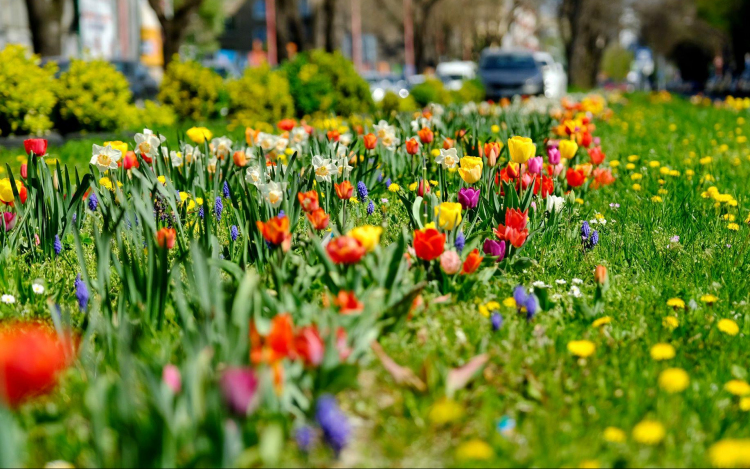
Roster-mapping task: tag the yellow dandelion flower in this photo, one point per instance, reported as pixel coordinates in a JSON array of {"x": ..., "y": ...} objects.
[
  {"x": 730, "y": 453},
  {"x": 733, "y": 227},
  {"x": 636, "y": 176},
  {"x": 493, "y": 305},
  {"x": 738, "y": 387},
  {"x": 579, "y": 201},
  {"x": 633, "y": 158},
  {"x": 601, "y": 321},
  {"x": 636, "y": 187},
  {"x": 662, "y": 351},
  {"x": 435, "y": 152},
  {"x": 709, "y": 299},
  {"x": 728, "y": 327},
  {"x": 674, "y": 380},
  {"x": 614, "y": 163},
  {"x": 676, "y": 303},
  {"x": 670, "y": 322},
  {"x": 495, "y": 128},
  {"x": 484, "y": 311},
  {"x": 614, "y": 435},
  {"x": 656, "y": 199},
  {"x": 706, "y": 160},
  {"x": 589, "y": 464},
  {"x": 394, "y": 187},
  {"x": 445, "y": 411},
  {"x": 654, "y": 164},
  {"x": 413, "y": 186},
  {"x": 474, "y": 450},
  {"x": 630, "y": 166},
  {"x": 745, "y": 404},
  {"x": 510, "y": 302},
  {"x": 649, "y": 432},
  {"x": 581, "y": 348}
]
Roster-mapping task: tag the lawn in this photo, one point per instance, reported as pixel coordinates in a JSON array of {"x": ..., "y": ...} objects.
[{"x": 207, "y": 339}]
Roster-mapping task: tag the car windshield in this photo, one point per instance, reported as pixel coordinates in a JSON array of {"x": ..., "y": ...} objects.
[{"x": 508, "y": 62}]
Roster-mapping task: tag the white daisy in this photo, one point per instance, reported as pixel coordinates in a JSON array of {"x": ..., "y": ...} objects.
[
  {"x": 105, "y": 158},
  {"x": 577, "y": 281},
  {"x": 575, "y": 291},
  {"x": 560, "y": 281},
  {"x": 37, "y": 288},
  {"x": 8, "y": 299}
]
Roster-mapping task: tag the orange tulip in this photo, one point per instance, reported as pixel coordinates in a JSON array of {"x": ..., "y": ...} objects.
[
  {"x": 345, "y": 250},
  {"x": 318, "y": 219},
  {"x": 166, "y": 238},
  {"x": 251, "y": 135},
  {"x": 600, "y": 274},
  {"x": 333, "y": 135},
  {"x": 286, "y": 124},
  {"x": 371, "y": 141},
  {"x": 308, "y": 201},
  {"x": 448, "y": 143},
  {"x": 471, "y": 264},
  {"x": 276, "y": 231},
  {"x": 240, "y": 158},
  {"x": 412, "y": 146},
  {"x": 344, "y": 190},
  {"x": 425, "y": 135}
]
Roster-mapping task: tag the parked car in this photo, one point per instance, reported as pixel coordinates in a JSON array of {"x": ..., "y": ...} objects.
[
  {"x": 553, "y": 73},
  {"x": 380, "y": 83},
  {"x": 453, "y": 74},
  {"x": 142, "y": 84},
  {"x": 507, "y": 73}
]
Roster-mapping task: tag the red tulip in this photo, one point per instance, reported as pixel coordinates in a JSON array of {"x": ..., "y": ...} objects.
[
  {"x": 32, "y": 357},
  {"x": 348, "y": 303},
  {"x": 344, "y": 190},
  {"x": 24, "y": 171},
  {"x": 286, "y": 124},
  {"x": 308, "y": 346},
  {"x": 429, "y": 243},
  {"x": 276, "y": 231},
  {"x": 37, "y": 146},
  {"x": 425, "y": 135},
  {"x": 575, "y": 177},
  {"x": 412, "y": 146}
]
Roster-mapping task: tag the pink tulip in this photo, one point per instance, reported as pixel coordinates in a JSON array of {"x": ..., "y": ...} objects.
[
  {"x": 535, "y": 165},
  {"x": 450, "y": 262},
  {"x": 172, "y": 378},
  {"x": 10, "y": 219}
]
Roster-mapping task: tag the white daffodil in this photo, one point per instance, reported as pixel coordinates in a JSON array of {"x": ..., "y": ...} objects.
[
  {"x": 382, "y": 129},
  {"x": 222, "y": 147},
  {"x": 281, "y": 144},
  {"x": 211, "y": 164},
  {"x": 419, "y": 123},
  {"x": 389, "y": 141},
  {"x": 447, "y": 158},
  {"x": 266, "y": 141},
  {"x": 105, "y": 158},
  {"x": 252, "y": 176},
  {"x": 177, "y": 158},
  {"x": 190, "y": 153},
  {"x": 300, "y": 135},
  {"x": 324, "y": 168},
  {"x": 273, "y": 193},
  {"x": 147, "y": 144},
  {"x": 37, "y": 288},
  {"x": 345, "y": 139},
  {"x": 8, "y": 299},
  {"x": 343, "y": 167}
]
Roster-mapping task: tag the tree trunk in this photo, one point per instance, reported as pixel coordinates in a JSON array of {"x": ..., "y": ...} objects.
[
  {"x": 329, "y": 13},
  {"x": 45, "y": 23},
  {"x": 174, "y": 28}
]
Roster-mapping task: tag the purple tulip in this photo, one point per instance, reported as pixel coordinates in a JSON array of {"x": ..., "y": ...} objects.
[
  {"x": 468, "y": 197},
  {"x": 239, "y": 387},
  {"x": 553, "y": 155},
  {"x": 494, "y": 248},
  {"x": 536, "y": 164}
]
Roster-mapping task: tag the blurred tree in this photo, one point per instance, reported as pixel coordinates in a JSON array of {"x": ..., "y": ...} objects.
[
  {"x": 587, "y": 26},
  {"x": 175, "y": 26},
  {"x": 45, "y": 24},
  {"x": 616, "y": 62},
  {"x": 205, "y": 27},
  {"x": 729, "y": 17}
]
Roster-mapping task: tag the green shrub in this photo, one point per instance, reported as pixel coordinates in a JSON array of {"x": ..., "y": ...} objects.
[
  {"x": 92, "y": 96},
  {"x": 260, "y": 95},
  {"x": 153, "y": 116},
  {"x": 430, "y": 91},
  {"x": 616, "y": 62},
  {"x": 192, "y": 90},
  {"x": 27, "y": 96},
  {"x": 471, "y": 90},
  {"x": 393, "y": 104},
  {"x": 323, "y": 82}
]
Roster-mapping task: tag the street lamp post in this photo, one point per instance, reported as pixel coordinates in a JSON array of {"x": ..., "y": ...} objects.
[
  {"x": 271, "y": 31},
  {"x": 408, "y": 39}
]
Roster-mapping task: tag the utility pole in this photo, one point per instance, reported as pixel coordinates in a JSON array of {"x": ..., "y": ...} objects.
[
  {"x": 356, "y": 35},
  {"x": 271, "y": 32},
  {"x": 408, "y": 39}
]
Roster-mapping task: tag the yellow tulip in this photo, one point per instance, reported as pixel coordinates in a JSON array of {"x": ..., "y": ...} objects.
[
  {"x": 521, "y": 149},
  {"x": 118, "y": 145},
  {"x": 471, "y": 169},
  {"x": 199, "y": 134},
  {"x": 568, "y": 149},
  {"x": 367, "y": 235},
  {"x": 449, "y": 215},
  {"x": 6, "y": 190}
]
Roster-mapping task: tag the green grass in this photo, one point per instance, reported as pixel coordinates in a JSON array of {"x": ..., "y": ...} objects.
[{"x": 107, "y": 412}]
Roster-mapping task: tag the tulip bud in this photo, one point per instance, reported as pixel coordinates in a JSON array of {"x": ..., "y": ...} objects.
[
  {"x": 172, "y": 378},
  {"x": 600, "y": 274},
  {"x": 24, "y": 171},
  {"x": 423, "y": 188}
]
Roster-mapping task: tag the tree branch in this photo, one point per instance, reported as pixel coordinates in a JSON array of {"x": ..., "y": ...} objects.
[{"x": 156, "y": 6}]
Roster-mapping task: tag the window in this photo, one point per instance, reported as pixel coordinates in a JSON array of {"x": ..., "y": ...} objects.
[{"x": 259, "y": 9}]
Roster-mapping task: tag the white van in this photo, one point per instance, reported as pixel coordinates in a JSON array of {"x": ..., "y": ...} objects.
[
  {"x": 453, "y": 74},
  {"x": 555, "y": 78}
]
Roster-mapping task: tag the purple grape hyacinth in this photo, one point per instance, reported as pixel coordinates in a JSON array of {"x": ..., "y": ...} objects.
[
  {"x": 82, "y": 293},
  {"x": 57, "y": 245},
  {"x": 333, "y": 422}
]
